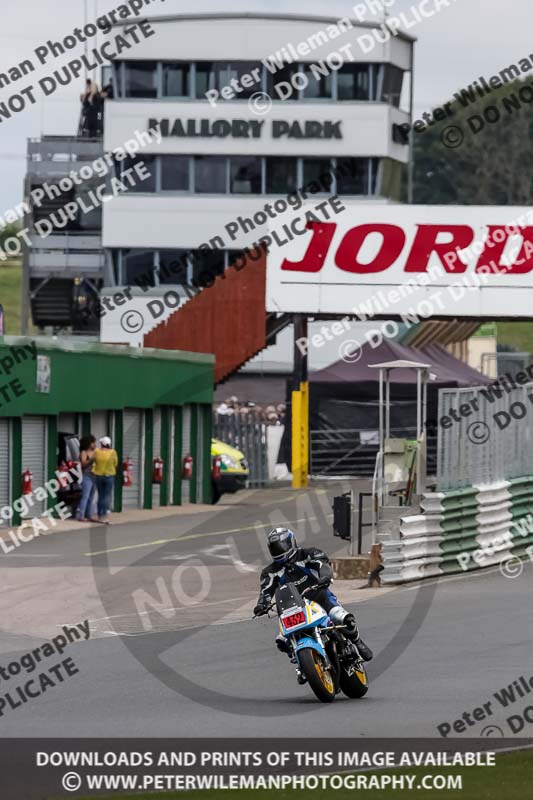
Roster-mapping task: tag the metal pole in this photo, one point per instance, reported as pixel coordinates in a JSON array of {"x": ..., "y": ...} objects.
[
  {"x": 424, "y": 460},
  {"x": 381, "y": 423},
  {"x": 410, "y": 163},
  {"x": 381, "y": 436},
  {"x": 300, "y": 407},
  {"x": 360, "y": 525},
  {"x": 418, "y": 428},
  {"x": 387, "y": 404},
  {"x": 352, "y": 526},
  {"x": 424, "y": 401},
  {"x": 86, "y": 47},
  {"x": 418, "y": 404}
]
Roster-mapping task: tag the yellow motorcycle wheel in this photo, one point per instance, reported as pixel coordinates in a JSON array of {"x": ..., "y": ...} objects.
[{"x": 318, "y": 675}]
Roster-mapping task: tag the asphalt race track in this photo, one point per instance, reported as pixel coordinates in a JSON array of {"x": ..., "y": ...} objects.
[{"x": 204, "y": 668}]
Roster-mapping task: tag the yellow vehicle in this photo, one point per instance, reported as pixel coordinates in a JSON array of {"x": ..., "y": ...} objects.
[{"x": 233, "y": 473}]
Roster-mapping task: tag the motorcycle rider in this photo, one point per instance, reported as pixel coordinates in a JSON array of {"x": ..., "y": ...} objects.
[{"x": 305, "y": 568}]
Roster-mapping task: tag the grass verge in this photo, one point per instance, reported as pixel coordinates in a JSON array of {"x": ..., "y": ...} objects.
[
  {"x": 516, "y": 334},
  {"x": 11, "y": 295}
]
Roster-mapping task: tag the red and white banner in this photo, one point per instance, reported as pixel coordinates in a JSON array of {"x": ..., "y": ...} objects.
[{"x": 392, "y": 260}]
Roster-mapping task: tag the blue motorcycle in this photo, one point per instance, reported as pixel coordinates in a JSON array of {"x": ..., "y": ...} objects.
[{"x": 322, "y": 655}]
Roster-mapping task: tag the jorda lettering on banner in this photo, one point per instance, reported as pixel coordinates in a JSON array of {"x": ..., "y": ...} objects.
[{"x": 481, "y": 258}]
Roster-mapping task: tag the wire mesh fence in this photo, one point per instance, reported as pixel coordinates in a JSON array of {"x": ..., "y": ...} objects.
[
  {"x": 353, "y": 451},
  {"x": 249, "y": 435},
  {"x": 485, "y": 434}
]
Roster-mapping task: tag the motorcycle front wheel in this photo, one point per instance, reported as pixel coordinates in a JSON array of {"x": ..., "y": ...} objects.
[{"x": 318, "y": 675}]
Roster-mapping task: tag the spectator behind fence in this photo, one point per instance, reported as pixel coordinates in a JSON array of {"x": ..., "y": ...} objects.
[
  {"x": 105, "y": 470},
  {"x": 91, "y": 102},
  {"x": 243, "y": 410},
  {"x": 88, "y": 485}
]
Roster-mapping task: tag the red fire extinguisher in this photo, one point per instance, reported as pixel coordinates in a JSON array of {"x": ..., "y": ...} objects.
[
  {"x": 127, "y": 480},
  {"x": 26, "y": 482},
  {"x": 62, "y": 475},
  {"x": 217, "y": 461},
  {"x": 157, "y": 472},
  {"x": 187, "y": 467}
]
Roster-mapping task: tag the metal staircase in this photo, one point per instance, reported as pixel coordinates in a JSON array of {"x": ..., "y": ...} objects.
[{"x": 227, "y": 318}]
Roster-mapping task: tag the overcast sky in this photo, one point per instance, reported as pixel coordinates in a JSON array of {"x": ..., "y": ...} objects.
[{"x": 468, "y": 39}]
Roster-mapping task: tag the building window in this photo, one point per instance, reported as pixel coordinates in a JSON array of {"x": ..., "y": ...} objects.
[
  {"x": 352, "y": 175},
  {"x": 234, "y": 258},
  {"x": 176, "y": 79},
  {"x": 319, "y": 86},
  {"x": 254, "y": 70},
  {"x": 210, "y": 174},
  {"x": 374, "y": 171},
  {"x": 353, "y": 82},
  {"x": 281, "y": 175},
  {"x": 174, "y": 267},
  {"x": 150, "y": 165},
  {"x": 318, "y": 171},
  {"x": 211, "y": 75},
  {"x": 391, "y": 90},
  {"x": 140, "y": 78},
  {"x": 175, "y": 174},
  {"x": 276, "y": 83},
  {"x": 138, "y": 267},
  {"x": 245, "y": 175},
  {"x": 207, "y": 265}
]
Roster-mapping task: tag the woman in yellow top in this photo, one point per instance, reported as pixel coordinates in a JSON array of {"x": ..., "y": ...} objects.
[{"x": 104, "y": 470}]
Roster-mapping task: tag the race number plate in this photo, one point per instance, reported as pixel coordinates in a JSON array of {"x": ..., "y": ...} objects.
[{"x": 291, "y": 620}]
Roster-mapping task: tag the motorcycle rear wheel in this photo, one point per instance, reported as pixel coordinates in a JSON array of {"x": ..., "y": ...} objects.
[
  {"x": 318, "y": 675},
  {"x": 356, "y": 684}
]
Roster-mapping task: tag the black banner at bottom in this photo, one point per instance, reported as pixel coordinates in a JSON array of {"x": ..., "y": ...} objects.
[{"x": 50, "y": 769}]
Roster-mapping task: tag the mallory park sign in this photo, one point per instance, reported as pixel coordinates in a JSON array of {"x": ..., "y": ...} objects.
[
  {"x": 245, "y": 129},
  {"x": 393, "y": 260}
]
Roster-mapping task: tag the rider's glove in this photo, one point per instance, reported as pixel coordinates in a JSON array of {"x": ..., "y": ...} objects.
[
  {"x": 323, "y": 583},
  {"x": 261, "y": 608}
]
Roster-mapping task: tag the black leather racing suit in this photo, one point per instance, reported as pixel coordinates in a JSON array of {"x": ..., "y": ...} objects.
[{"x": 308, "y": 566}]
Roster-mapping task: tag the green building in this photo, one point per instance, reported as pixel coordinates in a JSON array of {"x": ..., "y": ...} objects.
[{"x": 153, "y": 404}]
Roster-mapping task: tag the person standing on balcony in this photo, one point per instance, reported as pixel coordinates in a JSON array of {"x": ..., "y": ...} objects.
[
  {"x": 91, "y": 103},
  {"x": 105, "y": 470}
]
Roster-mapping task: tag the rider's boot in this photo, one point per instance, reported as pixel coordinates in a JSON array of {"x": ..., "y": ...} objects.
[
  {"x": 282, "y": 645},
  {"x": 340, "y": 616},
  {"x": 352, "y": 632}
]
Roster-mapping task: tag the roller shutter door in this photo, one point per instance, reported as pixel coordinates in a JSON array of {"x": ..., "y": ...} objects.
[
  {"x": 132, "y": 448},
  {"x": 156, "y": 487},
  {"x": 34, "y": 456},
  {"x": 5, "y": 463},
  {"x": 185, "y": 451}
]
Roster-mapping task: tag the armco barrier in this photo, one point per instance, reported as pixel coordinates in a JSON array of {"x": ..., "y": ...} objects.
[{"x": 462, "y": 530}]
